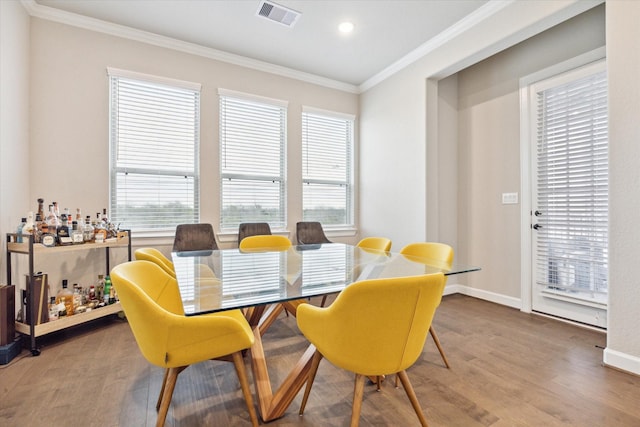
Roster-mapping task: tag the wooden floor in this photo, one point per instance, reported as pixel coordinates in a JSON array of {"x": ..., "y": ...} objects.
[{"x": 508, "y": 369}]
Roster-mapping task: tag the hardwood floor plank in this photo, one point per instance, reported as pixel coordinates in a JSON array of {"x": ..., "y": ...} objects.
[{"x": 508, "y": 369}]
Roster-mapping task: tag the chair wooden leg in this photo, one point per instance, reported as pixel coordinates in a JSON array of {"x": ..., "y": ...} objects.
[
  {"x": 437, "y": 341},
  {"x": 315, "y": 362},
  {"x": 164, "y": 382},
  {"x": 358, "y": 391},
  {"x": 238, "y": 362},
  {"x": 412, "y": 397},
  {"x": 172, "y": 377},
  {"x": 324, "y": 300}
]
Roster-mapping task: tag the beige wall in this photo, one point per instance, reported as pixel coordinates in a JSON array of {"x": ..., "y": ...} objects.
[
  {"x": 489, "y": 145},
  {"x": 14, "y": 120},
  {"x": 396, "y": 134},
  {"x": 69, "y": 125},
  {"x": 69, "y": 112},
  {"x": 394, "y": 115},
  {"x": 623, "y": 68}
]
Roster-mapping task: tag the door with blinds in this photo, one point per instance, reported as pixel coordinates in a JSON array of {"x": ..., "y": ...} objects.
[{"x": 569, "y": 216}]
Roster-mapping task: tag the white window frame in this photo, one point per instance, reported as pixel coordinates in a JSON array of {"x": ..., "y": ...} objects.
[
  {"x": 248, "y": 167},
  {"x": 186, "y": 164},
  {"x": 329, "y": 180}
]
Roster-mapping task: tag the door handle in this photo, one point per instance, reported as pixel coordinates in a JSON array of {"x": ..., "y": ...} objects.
[
  {"x": 537, "y": 213},
  {"x": 536, "y": 226}
]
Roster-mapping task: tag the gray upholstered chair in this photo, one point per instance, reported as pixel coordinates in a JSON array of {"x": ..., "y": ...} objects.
[
  {"x": 310, "y": 232},
  {"x": 247, "y": 229},
  {"x": 194, "y": 237}
]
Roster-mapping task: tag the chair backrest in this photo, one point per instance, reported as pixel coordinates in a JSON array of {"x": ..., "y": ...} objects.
[
  {"x": 438, "y": 253},
  {"x": 157, "y": 257},
  {"x": 375, "y": 327},
  {"x": 265, "y": 243},
  {"x": 310, "y": 232},
  {"x": 166, "y": 337},
  {"x": 375, "y": 243},
  {"x": 247, "y": 229},
  {"x": 194, "y": 237},
  {"x": 149, "y": 298}
]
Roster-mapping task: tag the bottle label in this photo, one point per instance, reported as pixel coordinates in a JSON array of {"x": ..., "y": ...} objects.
[{"x": 49, "y": 240}]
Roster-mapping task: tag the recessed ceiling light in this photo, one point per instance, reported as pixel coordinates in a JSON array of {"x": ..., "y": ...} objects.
[{"x": 346, "y": 27}]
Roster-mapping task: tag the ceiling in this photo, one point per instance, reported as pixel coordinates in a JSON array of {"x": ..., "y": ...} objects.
[{"x": 386, "y": 31}]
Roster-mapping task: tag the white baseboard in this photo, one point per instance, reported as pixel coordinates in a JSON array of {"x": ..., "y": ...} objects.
[
  {"x": 485, "y": 295},
  {"x": 622, "y": 361}
]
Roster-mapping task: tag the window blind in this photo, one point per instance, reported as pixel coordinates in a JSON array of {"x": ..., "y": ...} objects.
[
  {"x": 252, "y": 162},
  {"x": 327, "y": 168},
  {"x": 572, "y": 193},
  {"x": 154, "y": 139}
]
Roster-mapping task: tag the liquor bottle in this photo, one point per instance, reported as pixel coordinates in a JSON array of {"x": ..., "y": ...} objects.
[
  {"x": 105, "y": 218},
  {"x": 22, "y": 227},
  {"x": 99, "y": 231},
  {"x": 41, "y": 208},
  {"x": 65, "y": 296},
  {"x": 108, "y": 292},
  {"x": 77, "y": 297},
  {"x": 53, "y": 309},
  {"x": 87, "y": 230},
  {"x": 64, "y": 236},
  {"x": 52, "y": 219},
  {"x": 30, "y": 224},
  {"x": 37, "y": 229},
  {"x": 100, "y": 287},
  {"x": 76, "y": 234}
]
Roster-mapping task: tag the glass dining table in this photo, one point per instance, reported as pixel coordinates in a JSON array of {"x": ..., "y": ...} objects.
[{"x": 266, "y": 282}]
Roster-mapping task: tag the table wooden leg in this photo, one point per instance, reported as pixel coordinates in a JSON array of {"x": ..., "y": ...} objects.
[{"x": 272, "y": 405}]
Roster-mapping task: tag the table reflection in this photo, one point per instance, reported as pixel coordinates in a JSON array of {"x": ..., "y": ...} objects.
[{"x": 227, "y": 279}]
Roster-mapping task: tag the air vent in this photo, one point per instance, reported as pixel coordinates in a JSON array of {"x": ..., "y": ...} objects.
[{"x": 277, "y": 13}]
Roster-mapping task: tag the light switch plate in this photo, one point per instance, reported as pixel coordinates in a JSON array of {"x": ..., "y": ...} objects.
[{"x": 509, "y": 198}]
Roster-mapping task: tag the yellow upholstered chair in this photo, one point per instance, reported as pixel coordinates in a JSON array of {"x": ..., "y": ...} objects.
[
  {"x": 157, "y": 257},
  {"x": 435, "y": 254},
  {"x": 396, "y": 312},
  {"x": 375, "y": 243},
  {"x": 265, "y": 242},
  {"x": 167, "y": 338}
]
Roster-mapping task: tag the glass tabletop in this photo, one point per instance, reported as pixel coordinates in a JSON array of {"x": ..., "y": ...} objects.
[{"x": 226, "y": 279}]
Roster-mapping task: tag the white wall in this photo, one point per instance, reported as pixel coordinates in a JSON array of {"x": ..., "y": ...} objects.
[
  {"x": 14, "y": 120},
  {"x": 623, "y": 68}
]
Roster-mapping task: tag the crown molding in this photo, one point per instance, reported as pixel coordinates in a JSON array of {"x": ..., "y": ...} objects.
[
  {"x": 485, "y": 11},
  {"x": 63, "y": 17}
]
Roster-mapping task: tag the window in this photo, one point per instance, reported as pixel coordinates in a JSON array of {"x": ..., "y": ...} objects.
[
  {"x": 154, "y": 139},
  {"x": 572, "y": 183},
  {"x": 252, "y": 160},
  {"x": 327, "y": 167}
]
